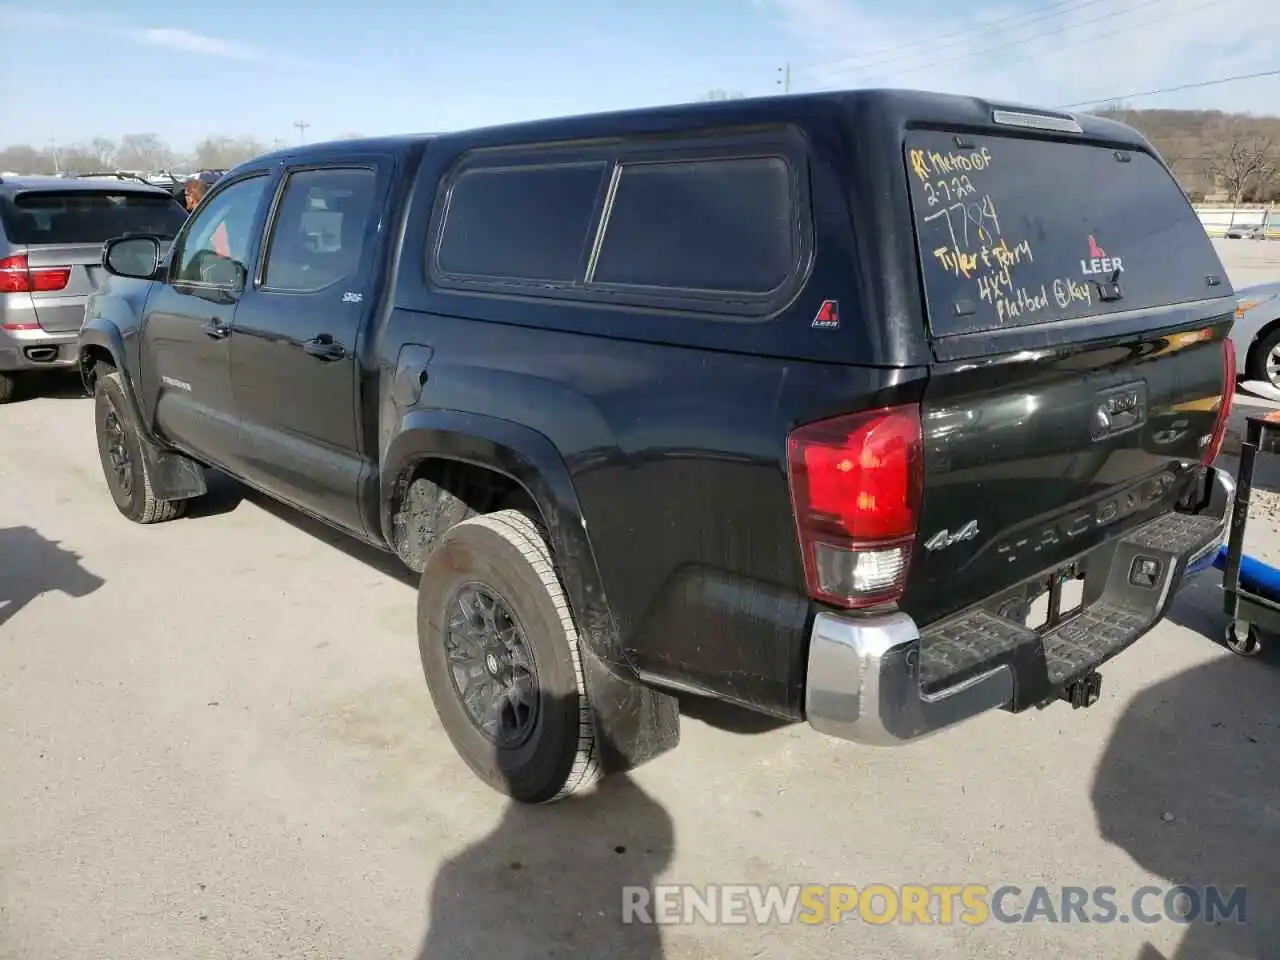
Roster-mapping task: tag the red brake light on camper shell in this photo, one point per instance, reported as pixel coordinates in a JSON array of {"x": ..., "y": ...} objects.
[
  {"x": 1219, "y": 434},
  {"x": 18, "y": 276},
  {"x": 855, "y": 489}
]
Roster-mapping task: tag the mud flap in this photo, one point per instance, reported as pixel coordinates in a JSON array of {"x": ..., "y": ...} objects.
[
  {"x": 173, "y": 476},
  {"x": 634, "y": 723}
]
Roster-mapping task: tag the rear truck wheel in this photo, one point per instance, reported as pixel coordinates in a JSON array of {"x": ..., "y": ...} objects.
[
  {"x": 501, "y": 658},
  {"x": 120, "y": 451},
  {"x": 8, "y": 387},
  {"x": 1264, "y": 359},
  {"x": 1243, "y": 639}
]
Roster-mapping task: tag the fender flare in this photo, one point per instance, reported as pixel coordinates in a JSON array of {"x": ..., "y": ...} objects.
[
  {"x": 531, "y": 460},
  {"x": 636, "y": 722},
  {"x": 100, "y": 334}
]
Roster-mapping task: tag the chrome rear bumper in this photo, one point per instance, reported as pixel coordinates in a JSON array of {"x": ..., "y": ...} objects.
[{"x": 863, "y": 680}]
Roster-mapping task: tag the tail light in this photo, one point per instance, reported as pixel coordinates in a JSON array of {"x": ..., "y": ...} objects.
[
  {"x": 855, "y": 490},
  {"x": 1224, "y": 408},
  {"x": 18, "y": 276}
]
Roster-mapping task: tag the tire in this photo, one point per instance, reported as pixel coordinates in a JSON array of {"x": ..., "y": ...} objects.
[
  {"x": 1257, "y": 365},
  {"x": 120, "y": 452},
  {"x": 503, "y": 557},
  {"x": 8, "y": 387}
]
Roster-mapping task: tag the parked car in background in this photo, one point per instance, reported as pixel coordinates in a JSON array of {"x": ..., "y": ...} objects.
[
  {"x": 1256, "y": 333},
  {"x": 1246, "y": 232},
  {"x": 169, "y": 182},
  {"x": 51, "y": 236},
  {"x": 210, "y": 176},
  {"x": 111, "y": 175}
]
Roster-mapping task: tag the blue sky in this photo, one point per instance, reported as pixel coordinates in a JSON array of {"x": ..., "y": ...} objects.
[{"x": 72, "y": 70}]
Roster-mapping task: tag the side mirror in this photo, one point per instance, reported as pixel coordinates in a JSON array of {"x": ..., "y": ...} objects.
[{"x": 136, "y": 257}]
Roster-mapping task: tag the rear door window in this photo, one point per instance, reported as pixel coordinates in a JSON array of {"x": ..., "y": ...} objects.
[
  {"x": 319, "y": 229},
  {"x": 89, "y": 216},
  {"x": 1018, "y": 231}
]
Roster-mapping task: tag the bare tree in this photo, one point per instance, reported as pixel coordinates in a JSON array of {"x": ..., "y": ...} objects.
[
  {"x": 1245, "y": 160},
  {"x": 103, "y": 151},
  {"x": 143, "y": 151},
  {"x": 221, "y": 153},
  {"x": 24, "y": 158},
  {"x": 78, "y": 158}
]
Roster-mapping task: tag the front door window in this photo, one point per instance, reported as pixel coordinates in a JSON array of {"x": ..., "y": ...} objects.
[{"x": 216, "y": 247}]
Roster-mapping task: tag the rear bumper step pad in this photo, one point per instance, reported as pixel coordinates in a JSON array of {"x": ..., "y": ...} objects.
[{"x": 957, "y": 649}]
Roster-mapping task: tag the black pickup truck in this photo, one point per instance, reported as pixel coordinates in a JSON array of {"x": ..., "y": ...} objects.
[{"x": 875, "y": 409}]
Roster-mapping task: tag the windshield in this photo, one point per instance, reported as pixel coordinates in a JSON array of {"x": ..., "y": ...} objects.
[
  {"x": 89, "y": 216},
  {"x": 1017, "y": 231}
]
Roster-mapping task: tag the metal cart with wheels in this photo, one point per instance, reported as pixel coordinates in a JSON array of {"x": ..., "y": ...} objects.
[{"x": 1251, "y": 589}]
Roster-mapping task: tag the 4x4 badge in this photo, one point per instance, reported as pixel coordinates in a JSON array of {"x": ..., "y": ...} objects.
[
  {"x": 945, "y": 538},
  {"x": 828, "y": 315}
]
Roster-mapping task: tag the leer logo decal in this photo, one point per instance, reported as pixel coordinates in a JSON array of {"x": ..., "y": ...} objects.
[
  {"x": 1098, "y": 262},
  {"x": 828, "y": 315}
]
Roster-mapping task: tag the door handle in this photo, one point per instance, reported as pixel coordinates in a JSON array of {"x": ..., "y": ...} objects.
[
  {"x": 323, "y": 347},
  {"x": 216, "y": 329}
]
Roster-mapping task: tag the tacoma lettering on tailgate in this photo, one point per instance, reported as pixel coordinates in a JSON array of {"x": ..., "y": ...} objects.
[{"x": 1101, "y": 514}]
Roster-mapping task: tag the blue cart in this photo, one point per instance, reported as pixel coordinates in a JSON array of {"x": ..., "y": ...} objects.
[{"x": 1251, "y": 588}]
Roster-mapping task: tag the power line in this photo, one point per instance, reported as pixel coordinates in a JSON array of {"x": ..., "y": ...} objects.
[
  {"x": 1022, "y": 41},
  {"x": 952, "y": 39},
  {"x": 1184, "y": 86}
]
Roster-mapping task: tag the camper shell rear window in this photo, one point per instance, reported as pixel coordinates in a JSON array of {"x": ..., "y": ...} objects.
[{"x": 1016, "y": 231}]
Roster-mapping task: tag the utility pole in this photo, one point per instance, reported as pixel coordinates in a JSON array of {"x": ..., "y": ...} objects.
[
  {"x": 784, "y": 81},
  {"x": 302, "y": 130}
]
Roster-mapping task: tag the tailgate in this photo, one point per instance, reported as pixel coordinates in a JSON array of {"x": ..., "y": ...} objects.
[{"x": 1077, "y": 318}]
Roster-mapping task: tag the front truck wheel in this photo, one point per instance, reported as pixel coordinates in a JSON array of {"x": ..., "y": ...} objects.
[
  {"x": 120, "y": 450},
  {"x": 501, "y": 656}
]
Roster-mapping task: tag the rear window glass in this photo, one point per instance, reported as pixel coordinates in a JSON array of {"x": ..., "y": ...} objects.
[
  {"x": 1013, "y": 232},
  {"x": 520, "y": 223},
  {"x": 713, "y": 225},
  {"x": 83, "y": 216}
]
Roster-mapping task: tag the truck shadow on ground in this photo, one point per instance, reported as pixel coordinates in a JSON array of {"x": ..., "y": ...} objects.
[
  {"x": 53, "y": 385},
  {"x": 31, "y": 565},
  {"x": 1266, "y": 470},
  {"x": 226, "y": 494},
  {"x": 1198, "y": 607},
  {"x": 550, "y": 881},
  {"x": 1187, "y": 788}
]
